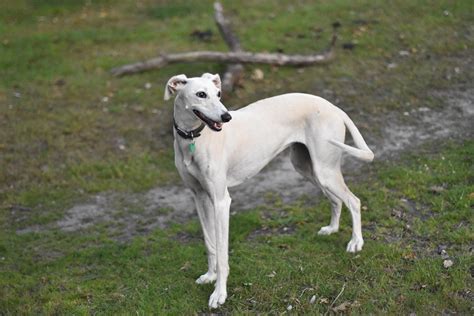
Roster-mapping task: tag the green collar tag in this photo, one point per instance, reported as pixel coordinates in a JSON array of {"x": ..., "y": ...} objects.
[{"x": 192, "y": 147}]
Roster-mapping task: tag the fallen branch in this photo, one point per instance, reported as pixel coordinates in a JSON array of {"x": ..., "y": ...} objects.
[
  {"x": 231, "y": 77},
  {"x": 225, "y": 29},
  {"x": 233, "y": 72},
  {"x": 230, "y": 57},
  {"x": 235, "y": 58}
]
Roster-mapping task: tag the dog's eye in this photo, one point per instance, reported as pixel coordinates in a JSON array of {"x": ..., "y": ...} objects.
[
  {"x": 201, "y": 95},
  {"x": 219, "y": 94}
]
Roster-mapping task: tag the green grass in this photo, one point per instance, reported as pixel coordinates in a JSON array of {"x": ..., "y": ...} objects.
[
  {"x": 53, "y": 272},
  {"x": 68, "y": 130},
  {"x": 55, "y": 58}
]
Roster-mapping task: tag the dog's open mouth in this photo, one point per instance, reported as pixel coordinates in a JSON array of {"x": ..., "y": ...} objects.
[{"x": 215, "y": 126}]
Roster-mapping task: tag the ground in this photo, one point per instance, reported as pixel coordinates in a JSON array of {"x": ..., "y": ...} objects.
[{"x": 94, "y": 218}]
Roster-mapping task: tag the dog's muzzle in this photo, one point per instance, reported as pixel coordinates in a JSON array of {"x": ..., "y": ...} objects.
[{"x": 214, "y": 125}]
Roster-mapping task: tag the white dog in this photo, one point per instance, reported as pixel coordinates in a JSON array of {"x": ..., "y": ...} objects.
[{"x": 212, "y": 159}]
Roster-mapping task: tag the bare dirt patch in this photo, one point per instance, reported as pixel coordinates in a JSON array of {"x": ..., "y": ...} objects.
[
  {"x": 266, "y": 231},
  {"x": 133, "y": 214}
]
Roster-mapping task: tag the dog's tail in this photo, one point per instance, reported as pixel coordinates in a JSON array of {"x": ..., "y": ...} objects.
[{"x": 362, "y": 151}]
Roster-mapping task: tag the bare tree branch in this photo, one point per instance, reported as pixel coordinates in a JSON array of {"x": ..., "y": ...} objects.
[
  {"x": 236, "y": 57},
  {"x": 230, "y": 57},
  {"x": 225, "y": 28},
  {"x": 233, "y": 72}
]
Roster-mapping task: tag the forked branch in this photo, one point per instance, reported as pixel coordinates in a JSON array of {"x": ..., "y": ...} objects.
[
  {"x": 233, "y": 72},
  {"x": 230, "y": 57},
  {"x": 235, "y": 58}
]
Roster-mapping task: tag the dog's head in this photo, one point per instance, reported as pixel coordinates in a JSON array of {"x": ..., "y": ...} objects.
[{"x": 202, "y": 96}]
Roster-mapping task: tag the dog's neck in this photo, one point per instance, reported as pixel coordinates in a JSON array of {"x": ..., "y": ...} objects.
[{"x": 184, "y": 117}]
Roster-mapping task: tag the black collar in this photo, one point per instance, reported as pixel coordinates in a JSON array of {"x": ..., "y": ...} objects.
[{"x": 191, "y": 134}]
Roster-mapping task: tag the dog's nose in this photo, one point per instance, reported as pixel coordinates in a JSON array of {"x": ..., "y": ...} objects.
[{"x": 226, "y": 117}]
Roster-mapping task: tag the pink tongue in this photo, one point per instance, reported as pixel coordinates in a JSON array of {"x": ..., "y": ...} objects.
[{"x": 218, "y": 125}]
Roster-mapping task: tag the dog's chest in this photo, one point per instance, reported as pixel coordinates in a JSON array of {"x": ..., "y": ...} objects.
[
  {"x": 189, "y": 160},
  {"x": 187, "y": 152}
]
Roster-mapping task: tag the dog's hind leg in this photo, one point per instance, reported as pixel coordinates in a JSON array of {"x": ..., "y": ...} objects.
[
  {"x": 326, "y": 165},
  {"x": 205, "y": 211},
  {"x": 301, "y": 160},
  {"x": 331, "y": 180},
  {"x": 336, "y": 206}
]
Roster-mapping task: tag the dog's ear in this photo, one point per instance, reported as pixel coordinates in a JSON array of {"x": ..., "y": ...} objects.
[
  {"x": 216, "y": 79},
  {"x": 175, "y": 84}
]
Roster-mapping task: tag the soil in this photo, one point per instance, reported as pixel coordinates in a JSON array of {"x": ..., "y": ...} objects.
[{"x": 133, "y": 214}]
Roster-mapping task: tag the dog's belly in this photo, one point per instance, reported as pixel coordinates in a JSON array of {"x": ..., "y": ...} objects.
[
  {"x": 241, "y": 172},
  {"x": 254, "y": 156}
]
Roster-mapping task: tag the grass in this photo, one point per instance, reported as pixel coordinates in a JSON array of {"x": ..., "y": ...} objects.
[
  {"x": 276, "y": 257},
  {"x": 69, "y": 131},
  {"x": 60, "y": 105}
]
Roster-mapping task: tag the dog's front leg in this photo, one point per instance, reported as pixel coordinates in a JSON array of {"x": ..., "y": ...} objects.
[
  {"x": 221, "y": 210},
  {"x": 205, "y": 211}
]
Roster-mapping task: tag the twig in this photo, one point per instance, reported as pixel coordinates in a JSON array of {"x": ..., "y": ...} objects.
[{"x": 337, "y": 297}]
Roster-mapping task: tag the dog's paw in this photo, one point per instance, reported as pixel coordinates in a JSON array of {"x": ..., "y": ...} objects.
[
  {"x": 355, "y": 244},
  {"x": 206, "y": 278},
  {"x": 327, "y": 230},
  {"x": 217, "y": 298}
]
